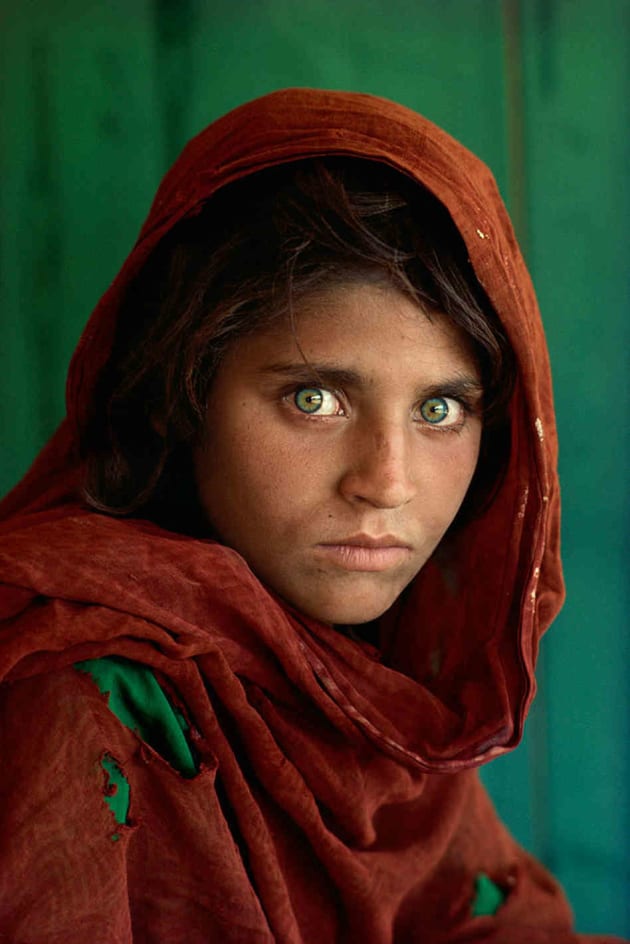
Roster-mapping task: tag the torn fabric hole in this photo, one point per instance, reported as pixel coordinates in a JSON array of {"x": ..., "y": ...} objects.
[
  {"x": 138, "y": 701},
  {"x": 116, "y": 791},
  {"x": 488, "y": 897}
]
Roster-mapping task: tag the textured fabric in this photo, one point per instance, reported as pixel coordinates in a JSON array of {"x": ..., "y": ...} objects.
[
  {"x": 336, "y": 797},
  {"x": 137, "y": 700}
]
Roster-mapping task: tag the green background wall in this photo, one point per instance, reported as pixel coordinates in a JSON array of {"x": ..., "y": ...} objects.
[{"x": 97, "y": 98}]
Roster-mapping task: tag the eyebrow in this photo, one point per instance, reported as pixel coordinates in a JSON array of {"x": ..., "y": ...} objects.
[{"x": 335, "y": 377}]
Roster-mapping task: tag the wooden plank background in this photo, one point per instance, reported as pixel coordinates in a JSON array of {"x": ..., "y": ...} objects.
[{"x": 97, "y": 99}]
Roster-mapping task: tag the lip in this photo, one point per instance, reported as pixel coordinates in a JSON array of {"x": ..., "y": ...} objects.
[
  {"x": 364, "y": 553},
  {"x": 368, "y": 540}
]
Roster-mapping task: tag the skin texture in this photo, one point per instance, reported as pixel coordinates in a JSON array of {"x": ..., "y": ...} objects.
[{"x": 302, "y": 496}]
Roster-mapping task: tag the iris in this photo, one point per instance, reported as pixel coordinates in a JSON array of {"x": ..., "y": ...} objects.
[
  {"x": 434, "y": 410},
  {"x": 309, "y": 400}
]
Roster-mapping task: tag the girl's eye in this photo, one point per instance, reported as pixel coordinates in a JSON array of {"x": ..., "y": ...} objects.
[
  {"x": 442, "y": 411},
  {"x": 317, "y": 400}
]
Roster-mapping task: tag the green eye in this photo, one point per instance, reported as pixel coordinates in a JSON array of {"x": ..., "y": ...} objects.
[
  {"x": 434, "y": 410},
  {"x": 309, "y": 400},
  {"x": 318, "y": 400}
]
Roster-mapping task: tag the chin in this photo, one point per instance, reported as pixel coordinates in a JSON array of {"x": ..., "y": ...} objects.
[{"x": 347, "y": 612}]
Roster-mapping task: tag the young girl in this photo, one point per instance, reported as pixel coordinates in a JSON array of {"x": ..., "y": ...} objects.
[{"x": 275, "y": 589}]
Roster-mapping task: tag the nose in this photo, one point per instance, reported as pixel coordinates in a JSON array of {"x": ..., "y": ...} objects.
[{"x": 378, "y": 469}]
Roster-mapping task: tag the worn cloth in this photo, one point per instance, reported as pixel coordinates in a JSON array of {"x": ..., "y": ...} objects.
[{"x": 334, "y": 795}]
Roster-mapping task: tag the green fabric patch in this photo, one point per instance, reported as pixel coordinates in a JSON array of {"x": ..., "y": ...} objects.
[
  {"x": 138, "y": 701},
  {"x": 488, "y": 897},
  {"x": 117, "y": 793}
]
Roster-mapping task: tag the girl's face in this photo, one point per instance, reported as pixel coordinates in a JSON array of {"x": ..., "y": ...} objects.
[{"x": 336, "y": 479}]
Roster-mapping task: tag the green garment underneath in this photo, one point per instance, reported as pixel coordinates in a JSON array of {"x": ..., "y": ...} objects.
[{"x": 488, "y": 897}]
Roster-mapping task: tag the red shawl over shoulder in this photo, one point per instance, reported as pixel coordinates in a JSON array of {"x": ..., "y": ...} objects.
[{"x": 336, "y": 798}]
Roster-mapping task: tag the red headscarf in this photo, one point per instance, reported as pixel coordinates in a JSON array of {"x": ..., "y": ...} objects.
[{"x": 322, "y": 811}]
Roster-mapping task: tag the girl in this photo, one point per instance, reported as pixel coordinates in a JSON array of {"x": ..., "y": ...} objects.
[{"x": 275, "y": 589}]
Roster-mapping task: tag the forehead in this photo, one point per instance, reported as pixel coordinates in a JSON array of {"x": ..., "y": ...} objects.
[{"x": 362, "y": 326}]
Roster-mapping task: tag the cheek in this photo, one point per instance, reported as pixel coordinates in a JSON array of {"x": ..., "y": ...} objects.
[
  {"x": 251, "y": 472},
  {"x": 451, "y": 475},
  {"x": 466, "y": 463}
]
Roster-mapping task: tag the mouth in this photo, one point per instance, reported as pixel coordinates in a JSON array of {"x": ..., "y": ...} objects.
[{"x": 363, "y": 553}]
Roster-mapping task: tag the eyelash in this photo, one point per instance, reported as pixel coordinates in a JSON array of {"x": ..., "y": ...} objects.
[{"x": 468, "y": 408}]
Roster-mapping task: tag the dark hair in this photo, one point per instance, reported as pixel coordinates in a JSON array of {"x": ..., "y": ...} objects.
[{"x": 249, "y": 255}]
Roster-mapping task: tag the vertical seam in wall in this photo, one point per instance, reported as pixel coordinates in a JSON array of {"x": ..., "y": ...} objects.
[
  {"x": 514, "y": 98},
  {"x": 538, "y": 760}
]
